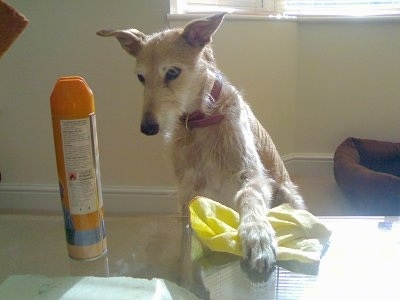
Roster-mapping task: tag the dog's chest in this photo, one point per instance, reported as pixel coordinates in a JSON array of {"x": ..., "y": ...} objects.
[
  {"x": 220, "y": 184},
  {"x": 205, "y": 168}
]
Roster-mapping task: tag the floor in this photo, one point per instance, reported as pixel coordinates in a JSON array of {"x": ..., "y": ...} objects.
[{"x": 322, "y": 196}]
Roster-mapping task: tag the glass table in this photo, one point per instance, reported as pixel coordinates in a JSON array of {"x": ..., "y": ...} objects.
[{"x": 362, "y": 262}]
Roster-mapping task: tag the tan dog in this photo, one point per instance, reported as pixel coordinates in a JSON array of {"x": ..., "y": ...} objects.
[{"x": 219, "y": 149}]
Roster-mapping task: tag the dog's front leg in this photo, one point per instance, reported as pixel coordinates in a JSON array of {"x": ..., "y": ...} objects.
[{"x": 256, "y": 233}]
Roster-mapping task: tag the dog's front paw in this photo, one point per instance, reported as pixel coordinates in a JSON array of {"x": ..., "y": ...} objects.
[{"x": 259, "y": 248}]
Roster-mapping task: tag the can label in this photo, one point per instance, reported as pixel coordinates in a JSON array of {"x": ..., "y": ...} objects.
[
  {"x": 81, "y": 159},
  {"x": 83, "y": 212}
]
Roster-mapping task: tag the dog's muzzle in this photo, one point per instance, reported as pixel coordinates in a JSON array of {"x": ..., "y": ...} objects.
[{"x": 149, "y": 128}]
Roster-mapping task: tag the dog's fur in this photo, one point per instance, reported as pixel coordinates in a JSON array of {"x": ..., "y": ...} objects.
[{"x": 235, "y": 161}]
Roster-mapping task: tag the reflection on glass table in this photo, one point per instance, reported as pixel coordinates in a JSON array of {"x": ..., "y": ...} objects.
[{"x": 362, "y": 260}]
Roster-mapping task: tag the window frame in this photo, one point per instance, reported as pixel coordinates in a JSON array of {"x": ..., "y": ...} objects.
[{"x": 276, "y": 10}]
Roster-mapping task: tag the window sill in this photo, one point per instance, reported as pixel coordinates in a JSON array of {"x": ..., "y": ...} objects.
[
  {"x": 187, "y": 17},
  {"x": 274, "y": 18}
]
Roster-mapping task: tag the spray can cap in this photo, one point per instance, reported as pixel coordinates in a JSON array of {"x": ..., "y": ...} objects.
[{"x": 72, "y": 96}]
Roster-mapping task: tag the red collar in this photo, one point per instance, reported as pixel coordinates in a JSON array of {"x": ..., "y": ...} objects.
[{"x": 198, "y": 118}]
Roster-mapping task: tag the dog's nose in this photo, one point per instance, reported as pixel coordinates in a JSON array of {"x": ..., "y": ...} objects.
[{"x": 149, "y": 128}]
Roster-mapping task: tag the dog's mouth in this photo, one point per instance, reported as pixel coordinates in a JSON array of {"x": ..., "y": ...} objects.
[{"x": 149, "y": 128}]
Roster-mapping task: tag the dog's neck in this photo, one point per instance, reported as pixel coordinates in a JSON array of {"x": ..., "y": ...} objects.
[{"x": 198, "y": 118}]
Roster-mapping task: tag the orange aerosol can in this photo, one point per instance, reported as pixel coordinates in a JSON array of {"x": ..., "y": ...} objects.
[{"x": 76, "y": 147}]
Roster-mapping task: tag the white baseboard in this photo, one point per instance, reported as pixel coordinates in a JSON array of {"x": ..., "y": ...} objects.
[
  {"x": 131, "y": 199},
  {"x": 309, "y": 164},
  {"x": 117, "y": 199}
]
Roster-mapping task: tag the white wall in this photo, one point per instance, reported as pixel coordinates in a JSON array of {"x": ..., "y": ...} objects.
[
  {"x": 348, "y": 83},
  {"x": 311, "y": 84},
  {"x": 61, "y": 40}
]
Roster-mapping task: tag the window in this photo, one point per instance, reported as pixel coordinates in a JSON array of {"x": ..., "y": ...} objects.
[
  {"x": 290, "y": 7},
  {"x": 342, "y": 7},
  {"x": 232, "y": 6}
]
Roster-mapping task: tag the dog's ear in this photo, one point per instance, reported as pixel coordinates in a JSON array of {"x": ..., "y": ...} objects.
[
  {"x": 198, "y": 32},
  {"x": 130, "y": 39}
]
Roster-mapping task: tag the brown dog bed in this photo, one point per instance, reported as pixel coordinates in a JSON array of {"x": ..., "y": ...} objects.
[{"x": 368, "y": 174}]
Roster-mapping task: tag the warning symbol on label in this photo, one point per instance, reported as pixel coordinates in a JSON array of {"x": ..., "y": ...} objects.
[{"x": 72, "y": 176}]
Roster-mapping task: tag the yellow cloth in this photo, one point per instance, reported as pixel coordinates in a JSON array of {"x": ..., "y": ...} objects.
[{"x": 301, "y": 236}]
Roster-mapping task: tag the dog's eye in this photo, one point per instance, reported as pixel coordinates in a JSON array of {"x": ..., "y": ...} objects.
[
  {"x": 141, "y": 78},
  {"x": 172, "y": 74}
]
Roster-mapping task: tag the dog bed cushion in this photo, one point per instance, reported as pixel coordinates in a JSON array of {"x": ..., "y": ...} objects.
[{"x": 368, "y": 174}]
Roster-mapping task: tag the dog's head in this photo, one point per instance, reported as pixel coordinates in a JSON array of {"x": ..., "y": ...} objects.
[{"x": 175, "y": 67}]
